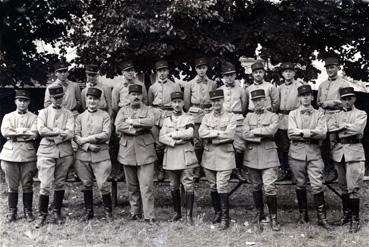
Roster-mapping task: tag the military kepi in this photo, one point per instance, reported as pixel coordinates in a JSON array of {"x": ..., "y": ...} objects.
[
  {"x": 304, "y": 89},
  {"x": 331, "y": 61},
  {"x": 257, "y": 65},
  {"x": 92, "y": 69},
  {"x": 347, "y": 91},
  {"x": 176, "y": 95},
  {"x": 22, "y": 94},
  {"x": 94, "y": 92},
  {"x": 126, "y": 65},
  {"x": 201, "y": 61},
  {"x": 61, "y": 66},
  {"x": 228, "y": 68},
  {"x": 287, "y": 65},
  {"x": 162, "y": 64},
  {"x": 56, "y": 91},
  {"x": 216, "y": 94},
  {"x": 258, "y": 93},
  {"x": 135, "y": 88}
]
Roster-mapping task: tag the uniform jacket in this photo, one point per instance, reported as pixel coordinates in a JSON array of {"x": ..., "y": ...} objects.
[
  {"x": 97, "y": 127},
  {"x": 19, "y": 149},
  {"x": 271, "y": 95},
  {"x": 258, "y": 132},
  {"x": 197, "y": 92},
  {"x": 72, "y": 95},
  {"x": 120, "y": 94},
  {"x": 329, "y": 90},
  {"x": 159, "y": 92},
  {"x": 136, "y": 141},
  {"x": 49, "y": 119},
  {"x": 307, "y": 122},
  {"x": 356, "y": 122},
  {"x": 178, "y": 156},
  {"x": 105, "y": 99},
  {"x": 218, "y": 130},
  {"x": 234, "y": 98}
]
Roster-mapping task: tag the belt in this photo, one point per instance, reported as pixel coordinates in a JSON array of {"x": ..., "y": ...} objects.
[
  {"x": 203, "y": 106},
  {"x": 307, "y": 141},
  {"x": 284, "y": 112},
  {"x": 164, "y": 107},
  {"x": 139, "y": 133},
  {"x": 349, "y": 140},
  {"x": 251, "y": 111},
  {"x": 237, "y": 112}
]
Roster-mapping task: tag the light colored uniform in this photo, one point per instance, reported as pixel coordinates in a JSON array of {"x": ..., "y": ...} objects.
[
  {"x": 105, "y": 99},
  {"x": 97, "y": 127},
  {"x": 348, "y": 152},
  {"x": 304, "y": 154},
  {"x": 120, "y": 94},
  {"x": 261, "y": 151},
  {"x": 271, "y": 96},
  {"x": 218, "y": 160},
  {"x": 137, "y": 154},
  {"x": 18, "y": 156},
  {"x": 179, "y": 159},
  {"x": 54, "y": 155}
]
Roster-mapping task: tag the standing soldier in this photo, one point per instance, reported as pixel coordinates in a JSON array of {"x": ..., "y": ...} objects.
[
  {"x": 234, "y": 102},
  {"x": 329, "y": 101},
  {"x": 92, "y": 134},
  {"x": 271, "y": 92},
  {"x": 217, "y": 130},
  {"x": 349, "y": 157},
  {"x": 179, "y": 156},
  {"x": 261, "y": 156},
  {"x": 197, "y": 102},
  {"x": 288, "y": 101},
  {"x": 72, "y": 92},
  {"x": 137, "y": 153},
  {"x": 18, "y": 156},
  {"x": 307, "y": 127},
  {"x": 92, "y": 73},
  {"x": 120, "y": 92},
  {"x": 55, "y": 124},
  {"x": 159, "y": 98}
]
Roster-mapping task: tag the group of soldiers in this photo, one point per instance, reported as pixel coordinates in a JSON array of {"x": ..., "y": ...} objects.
[{"x": 187, "y": 127}]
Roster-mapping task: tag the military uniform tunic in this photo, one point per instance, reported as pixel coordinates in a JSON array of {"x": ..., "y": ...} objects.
[
  {"x": 105, "y": 99},
  {"x": 271, "y": 96}
]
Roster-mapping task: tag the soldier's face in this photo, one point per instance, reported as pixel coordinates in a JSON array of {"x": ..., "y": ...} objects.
[
  {"x": 62, "y": 75},
  {"x": 217, "y": 104},
  {"x": 22, "y": 104},
  {"x": 91, "y": 79},
  {"x": 57, "y": 101},
  {"x": 348, "y": 102},
  {"x": 201, "y": 70},
  {"x": 129, "y": 74},
  {"x": 177, "y": 105},
  {"x": 135, "y": 98},
  {"x": 258, "y": 75},
  {"x": 162, "y": 73},
  {"x": 259, "y": 103},
  {"x": 332, "y": 70},
  {"x": 229, "y": 78},
  {"x": 306, "y": 99},
  {"x": 92, "y": 102},
  {"x": 288, "y": 74}
]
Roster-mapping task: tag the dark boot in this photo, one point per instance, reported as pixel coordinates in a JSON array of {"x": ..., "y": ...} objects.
[
  {"x": 189, "y": 207},
  {"x": 346, "y": 217},
  {"x": 197, "y": 170},
  {"x": 161, "y": 173},
  {"x": 27, "y": 205},
  {"x": 215, "y": 199},
  {"x": 321, "y": 211},
  {"x": 108, "y": 207},
  {"x": 12, "y": 204},
  {"x": 238, "y": 172},
  {"x": 176, "y": 197},
  {"x": 259, "y": 206},
  {"x": 42, "y": 208},
  {"x": 58, "y": 202},
  {"x": 272, "y": 205},
  {"x": 89, "y": 211},
  {"x": 355, "y": 209},
  {"x": 302, "y": 202},
  {"x": 224, "y": 199}
]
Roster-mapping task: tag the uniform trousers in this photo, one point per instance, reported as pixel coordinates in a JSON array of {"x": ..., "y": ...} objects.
[
  {"x": 185, "y": 176},
  {"x": 350, "y": 176},
  {"x": 266, "y": 177},
  {"x": 19, "y": 173},
  {"x": 218, "y": 180}
]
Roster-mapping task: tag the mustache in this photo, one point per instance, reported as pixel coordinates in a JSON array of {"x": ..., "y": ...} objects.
[{"x": 136, "y": 99}]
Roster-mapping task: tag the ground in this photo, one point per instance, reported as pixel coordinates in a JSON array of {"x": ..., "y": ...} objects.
[{"x": 122, "y": 232}]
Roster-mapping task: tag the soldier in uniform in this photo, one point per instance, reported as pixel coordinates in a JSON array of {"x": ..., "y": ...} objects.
[
  {"x": 159, "y": 99},
  {"x": 307, "y": 127},
  {"x": 261, "y": 157},
  {"x": 55, "y": 124},
  {"x": 217, "y": 130},
  {"x": 234, "y": 102},
  {"x": 137, "y": 153},
  {"x": 18, "y": 156},
  {"x": 179, "y": 156},
  {"x": 120, "y": 91},
  {"x": 197, "y": 102},
  {"x": 271, "y": 92},
  {"x": 349, "y": 157},
  {"x": 92, "y": 134},
  {"x": 329, "y": 101},
  {"x": 92, "y": 73},
  {"x": 288, "y": 101}
]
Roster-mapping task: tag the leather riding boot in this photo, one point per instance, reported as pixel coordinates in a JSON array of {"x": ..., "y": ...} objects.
[
  {"x": 302, "y": 203},
  {"x": 27, "y": 205},
  {"x": 215, "y": 199},
  {"x": 346, "y": 217},
  {"x": 176, "y": 197},
  {"x": 108, "y": 207},
  {"x": 42, "y": 208},
  {"x": 189, "y": 207},
  {"x": 224, "y": 200},
  {"x": 238, "y": 172},
  {"x": 89, "y": 210},
  {"x": 58, "y": 202},
  {"x": 11, "y": 216},
  {"x": 272, "y": 205},
  {"x": 355, "y": 209},
  {"x": 259, "y": 206},
  {"x": 321, "y": 211}
]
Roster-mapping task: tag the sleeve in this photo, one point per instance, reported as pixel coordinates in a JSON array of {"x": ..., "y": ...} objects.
[
  {"x": 104, "y": 135},
  {"x": 186, "y": 133},
  {"x": 83, "y": 99},
  {"x": 205, "y": 132},
  {"x": 69, "y": 127},
  {"x": 78, "y": 97},
  {"x": 115, "y": 98},
  {"x": 6, "y": 127},
  {"x": 150, "y": 95},
  {"x": 187, "y": 96},
  {"x": 246, "y": 134},
  {"x": 228, "y": 133},
  {"x": 246, "y": 99},
  {"x": 33, "y": 128},
  {"x": 42, "y": 129},
  {"x": 47, "y": 100},
  {"x": 120, "y": 124},
  {"x": 292, "y": 126},
  {"x": 243, "y": 100},
  {"x": 164, "y": 135},
  {"x": 357, "y": 127},
  {"x": 271, "y": 129},
  {"x": 321, "y": 128},
  {"x": 274, "y": 98},
  {"x": 144, "y": 94},
  {"x": 78, "y": 131},
  {"x": 146, "y": 122},
  {"x": 107, "y": 92}
]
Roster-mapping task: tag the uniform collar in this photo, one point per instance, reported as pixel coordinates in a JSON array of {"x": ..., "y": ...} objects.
[
  {"x": 333, "y": 78},
  {"x": 92, "y": 111},
  {"x": 199, "y": 80},
  {"x": 258, "y": 83},
  {"x": 288, "y": 84},
  {"x": 56, "y": 107},
  {"x": 162, "y": 81},
  {"x": 306, "y": 110},
  {"x": 22, "y": 112},
  {"x": 230, "y": 85},
  {"x": 177, "y": 114}
]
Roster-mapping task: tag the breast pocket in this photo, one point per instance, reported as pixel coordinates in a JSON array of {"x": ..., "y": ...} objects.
[{"x": 190, "y": 156}]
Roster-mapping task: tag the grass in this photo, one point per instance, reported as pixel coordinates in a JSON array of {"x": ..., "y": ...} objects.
[{"x": 122, "y": 232}]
